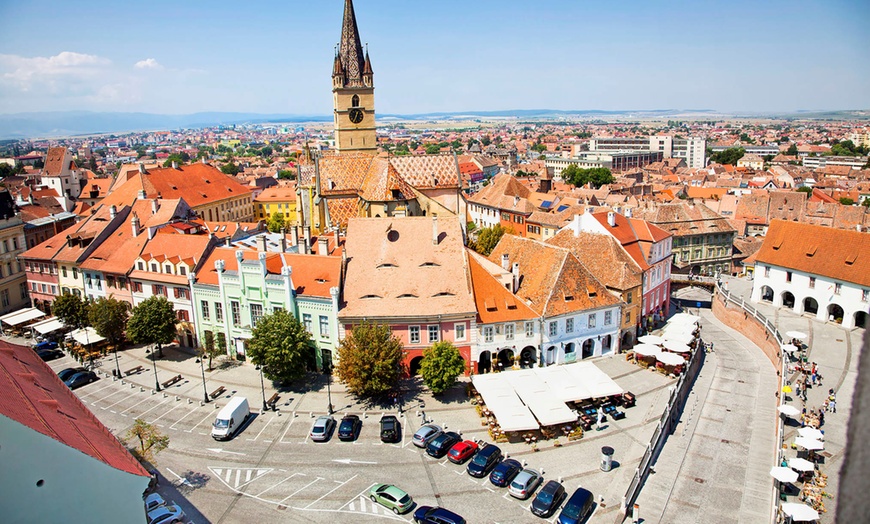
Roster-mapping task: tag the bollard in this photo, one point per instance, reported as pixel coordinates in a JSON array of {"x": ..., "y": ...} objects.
[
  {"x": 201, "y": 403},
  {"x": 295, "y": 414},
  {"x": 165, "y": 395},
  {"x": 635, "y": 514},
  {"x": 123, "y": 381},
  {"x": 310, "y": 414},
  {"x": 153, "y": 392},
  {"x": 190, "y": 401},
  {"x": 177, "y": 398}
]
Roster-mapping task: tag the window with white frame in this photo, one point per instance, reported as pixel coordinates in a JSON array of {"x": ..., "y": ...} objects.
[
  {"x": 837, "y": 288},
  {"x": 306, "y": 321},
  {"x": 204, "y": 308},
  {"x": 487, "y": 333},
  {"x": 414, "y": 334},
  {"x": 553, "y": 329},
  {"x": 591, "y": 321},
  {"x": 509, "y": 331},
  {"x": 218, "y": 312},
  {"x": 256, "y": 313},
  {"x": 237, "y": 316},
  {"x": 530, "y": 329},
  {"x": 459, "y": 331},
  {"x": 569, "y": 325},
  {"x": 865, "y": 295},
  {"x": 324, "y": 326},
  {"x": 433, "y": 333},
  {"x": 608, "y": 317}
]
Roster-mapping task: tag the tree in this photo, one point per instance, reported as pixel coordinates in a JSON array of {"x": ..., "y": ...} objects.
[
  {"x": 846, "y": 201},
  {"x": 153, "y": 322},
  {"x": 276, "y": 222},
  {"x": 266, "y": 152},
  {"x": 287, "y": 174},
  {"x": 433, "y": 149},
  {"x": 729, "y": 156},
  {"x": 179, "y": 158},
  {"x": 148, "y": 441},
  {"x": 597, "y": 176},
  {"x": 92, "y": 163},
  {"x": 230, "y": 168},
  {"x": 370, "y": 360},
  {"x": 792, "y": 150},
  {"x": 441, "y": 364},
  {"x": 71, "y": 310},
  {"x": 805, "y": 189},
  {"x": 109, "y": 318},
  {"x": 488, "y": 238},
  {"x": 281, "y": 345},
  {"x": 208, "y": 348}
]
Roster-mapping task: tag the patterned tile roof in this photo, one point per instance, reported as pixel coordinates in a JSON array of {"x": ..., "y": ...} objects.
[
  {"x": 603, "y": 256},
  {"x": 340, "y": 210},
  {"x": 681, "y": 219},
  {"x": 428, "y": 171}
]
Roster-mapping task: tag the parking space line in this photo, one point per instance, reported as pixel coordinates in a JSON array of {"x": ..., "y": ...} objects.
[
  {"x": 260, "y": 494},
  {"x": 364, "y": 494},
  {"x": 149, "y": 409},
  {"x": 86, "y": 395},
  {"x": 182, "y": 418},
  {"x": 113, "y": 404},
  {"x": 300, "y": 489},
  {"x": 136, "y": 404},
  {"x": 330, "y": 491},
  {"x": 266, "y": 425},
  {"x": 177, "y": 405},
  {"x": 200, "y": 422},
  {"x": 285, "y": 432}
]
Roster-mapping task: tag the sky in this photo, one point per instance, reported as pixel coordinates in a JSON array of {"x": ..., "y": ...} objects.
[{"x": 275, "y": 57}]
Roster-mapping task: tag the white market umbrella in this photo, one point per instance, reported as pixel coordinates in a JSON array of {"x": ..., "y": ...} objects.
[
  {"x": 682, "y": 338},
  {"x": 783, "y": 474},
  {"x": 647, "y": 350},
  {"x": 800, "y": 335},
  {"x": 809, "y": 443},
  {"x": 670, "y": 359},
  {"x": 789, "y": 348},
  {"x": 685, "y": 317},
  {"x": 651, "y": 339},
  {"x": 676, "y": 346},
  {"x": 800, "y": 464},
  {"x": 811, "y": 433},
  {"x": 799, "y": 512},
  {"x": 788, "y": 410}
]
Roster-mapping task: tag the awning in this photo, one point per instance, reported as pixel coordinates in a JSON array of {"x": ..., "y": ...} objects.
[
  {"x": 500, "y": 398},
  {"x": 676, "y": 347},
  {"x": 536, "y": 394},
  {"x": 670, "y": 359},
  {"x": 789, "y": 410},
  {"x": 783, "y": 474},
  {"x": 651, "y": 339},
  {"x": 799, "y": 512},
  {"x": 86, "y": 336},
  {"x": 596, "y": 381},
  {"x": 684, "y": 317},
  {"x": 47, "y": 326},
  {"x": 800, "y": 464},
  {"x": 811, "y": 433},
  {"x": 647, "y": 350},
  {"x": 22, "y": 315},
  {"x": 809, "y": 444}
]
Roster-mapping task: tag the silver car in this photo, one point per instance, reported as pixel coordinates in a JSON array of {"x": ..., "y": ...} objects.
[
  {"x": 170, "y": 513},
  {"x": 426, "y": 434},
  {"x": 153, "y": 501},
  {"x": 322, "y": 429},
  {"x": 525, "y": 483}
]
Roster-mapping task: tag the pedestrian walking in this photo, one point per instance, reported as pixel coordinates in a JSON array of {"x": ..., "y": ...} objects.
[
  {"x": 832, "y": 402},
  {"x": 821, "y": 418},
  {"x": 797, "y": 389},
  {"x": 600, "y": 420}
]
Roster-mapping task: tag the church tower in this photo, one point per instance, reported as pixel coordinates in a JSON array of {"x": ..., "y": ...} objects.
[{"x": 353, "y": 90}]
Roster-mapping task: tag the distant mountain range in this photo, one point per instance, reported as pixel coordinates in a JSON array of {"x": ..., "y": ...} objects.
[{"x": 72, "y": 123}]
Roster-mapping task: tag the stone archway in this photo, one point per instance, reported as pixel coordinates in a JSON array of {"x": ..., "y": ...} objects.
[
  {"x": 788, "y": 299},
  {"x": 588, "y": 348},
  {"x": 627, "y": 340},
  {"x": 484, "y": 362},
  {"x": 811, "y": 306},
  {"x": 835, "y": 313},
  {"x": 861, "y": 319},
  {"x": 605, "y": 344},
  {"x": 505, "y": 358},
  {"x": 767, "y": 294},
  {"x": 528, "y": 357},
  {"x": 414, "y": 367}
]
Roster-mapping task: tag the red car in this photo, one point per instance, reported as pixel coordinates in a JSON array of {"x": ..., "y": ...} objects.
[{"x": 462, "y": 451}]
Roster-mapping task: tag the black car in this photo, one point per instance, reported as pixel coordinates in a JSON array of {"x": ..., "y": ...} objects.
[
  {"x": 548, "y": 499},
  {"x": 68, "y": 372},
  {"x": 49, "y": 354},
  {"x": 436, "y": 515},
  {"x": 484, "y": 460},
  {"x": 80, "y": 379},
  {"x": 349, "y": 428},
  {"x": 391, "y": 429},
  {"x": 578, "y": 508},
  {"x": 504, "y": 472},
  {"x": 441, "y": 444}
]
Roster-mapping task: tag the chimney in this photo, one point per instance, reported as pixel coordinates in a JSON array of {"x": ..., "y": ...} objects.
[
  {"x": 516, "y": 201},
  {"x": 134, "y": 223},
  {"x": 113, "y": 212},
  {"x": 434, "y": 230},
  {"x": 515, "y": 271},
  {"x": 261, "y": 242},
  {"x": 141, "y": 194},
  {"x": 611, "y": 219},
  {"x": 306, "y": 233},
  {"x": 229, "y": 241},
  {"x": 337, "y": 238},
  {"x": 628, "y": 212},
  {"x": 174, "y": 164},
  {"x": 294, "y": 236},
  {"x": 151, "y": 232},
  {"x": 505, "y": 262},
  {"x": 322, "y": 245},
  {"x": 142, "y": 168},
  {"x": 154, "y": 207},
  {"x": 283, "y": 240},
  {"x": 204, "y": 161}
]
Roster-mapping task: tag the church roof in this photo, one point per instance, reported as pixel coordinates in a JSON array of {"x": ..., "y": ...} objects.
[{"x": 353, "y": 61}]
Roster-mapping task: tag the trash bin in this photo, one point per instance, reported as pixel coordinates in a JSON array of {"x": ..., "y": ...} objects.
[{"x": 606, "y": 458}]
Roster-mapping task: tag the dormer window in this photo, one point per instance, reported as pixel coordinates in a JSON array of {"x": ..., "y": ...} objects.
[
  {"x": 168, "y": 268},
  {"x": 154, "y": 268}
]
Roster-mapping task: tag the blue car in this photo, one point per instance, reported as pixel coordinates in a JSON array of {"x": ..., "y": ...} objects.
[
  {"x": 436, "y": 515},
  {"x": 45, "y": 344},
  {"x": 578, "y": 508},
  {"x": 80, "y": 379}
]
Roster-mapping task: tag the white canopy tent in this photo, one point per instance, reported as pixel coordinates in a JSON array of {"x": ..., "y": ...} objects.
[
  {"x": 501, "y": 399},
  {"x": 684, "y": 317},
  {"x": 800, "y": 335},
  {"x": 800, "y": 464},
  {"x": 811, "y": 433},
  {"x": 799, "y": 512},
  {"x": 86, "y": 336},
  {"x": 651, "y": 339},
  {"x": 789, "y": 348},
  {"x": 21, "y": 316},
  {"x": 682, "y": 338},
  {"x": 783, "y": 474},
  {"x": 670, "y": 359},
  {"x": 535, "y": 393},
  {"x": 789, "y": 410},
  {"x": 676, "y": 346},
  {"x": 596, "y": 381},
  {"x": 809, "y": 443},
  {"x": 48, "y": 325},
  {"x": 647, "y": 350},
  {"x": 562, "y": 384}
]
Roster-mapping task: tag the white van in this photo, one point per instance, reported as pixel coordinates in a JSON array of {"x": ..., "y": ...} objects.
[{"x": 230, "y": 418}]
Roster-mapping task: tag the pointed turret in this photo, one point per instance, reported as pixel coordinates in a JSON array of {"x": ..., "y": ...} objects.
[
  {"x": 350, "y": 50},
  {"x": 368, "y": 75}
]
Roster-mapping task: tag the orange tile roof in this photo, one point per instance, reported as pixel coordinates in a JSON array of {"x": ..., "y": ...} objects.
[
  {"x": 54, "y": 161},
  {"x": 603, "y": 256},
  {"x": 277, "y": 194},
  {"x": 494, "y": 302},
  {"x": 838, "y": 254},
  {"x": 197, "y": 183}
]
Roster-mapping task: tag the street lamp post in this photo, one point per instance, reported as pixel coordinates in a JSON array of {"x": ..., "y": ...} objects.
[
  {"x": 154, "y": 363},
  {"x": 263, "y": 387},
  {"x": 204, "y": 389},
  {"x": 328, "y": 370},
  {"x": 117, "y": 365}
]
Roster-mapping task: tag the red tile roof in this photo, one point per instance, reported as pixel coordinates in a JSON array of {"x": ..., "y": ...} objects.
[
  {"x": 495, "y": 303},
  {"x": 35, "y": 397}
]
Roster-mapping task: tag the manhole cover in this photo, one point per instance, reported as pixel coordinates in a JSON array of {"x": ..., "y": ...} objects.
[{"x": 700, "y": 480}]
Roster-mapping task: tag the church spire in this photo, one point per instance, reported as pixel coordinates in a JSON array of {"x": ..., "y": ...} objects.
[{"x": 350, "y": 50}]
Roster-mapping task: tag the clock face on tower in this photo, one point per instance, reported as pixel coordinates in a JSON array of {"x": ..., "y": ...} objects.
[{"x": 355, "y": 115}]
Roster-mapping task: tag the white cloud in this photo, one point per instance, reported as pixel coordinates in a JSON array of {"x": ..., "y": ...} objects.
[
  {"x": 21, "y": 71},
  {"x": 148, "y": 63}
]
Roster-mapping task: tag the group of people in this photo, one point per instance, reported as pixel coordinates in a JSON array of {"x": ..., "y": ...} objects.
[{"x": 810, "y": 377}]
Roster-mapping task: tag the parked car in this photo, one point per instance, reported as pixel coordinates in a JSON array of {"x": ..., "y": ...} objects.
[
  {"x": 49, "y": 354},
  {"x": 436, "y": 515},
  {"x": 45, "y": 344},
  {"x": 462, "y": 451},
  {"x": 440, "y": 445},
  {"x": 525, "y": 483},
  {"x": 349, "y": 428},
  {"x": 322, "y": 429},
  {"x": 425, "y": 434},
  {"x": 548, "y": 499},
  {"x": 505, "y": 472},
  {"x": 391, "y": 497},
  {"x": 578, "y": 508},
  {"x": 391, "y": 429},
  {"x": 153, "y": 501},
  {"x": 169, "y": 513},
  {"x": 80, "y": 379},
  {"x": 484, "y": 460},
  {"x": 64, "y": 374}
]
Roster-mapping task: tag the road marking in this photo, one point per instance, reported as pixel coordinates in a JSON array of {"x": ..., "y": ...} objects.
[
  {"x": 264, "y": 428},
  {"x": 182, "y": 418},
  {"x": 164, "y": 401},
  {"x": 458, "y": 472},
  {"x": 182, "y": 479},
  {"x": 177, "y": 405},
  {"x": 200, "y": 422},
  {"x": 140, "y": 402},
  {"x": 300, "y": 489},
  {"x": 330, "y": 491},
  {"x": 97, "y": 391},
  {"x": 278, "y": 484},
  {"x": 293, "y": 419},
  {"x": 113, "y": 404},
  {"x": 350, "y": 461},
  {"x": 220, "y": 450}
]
